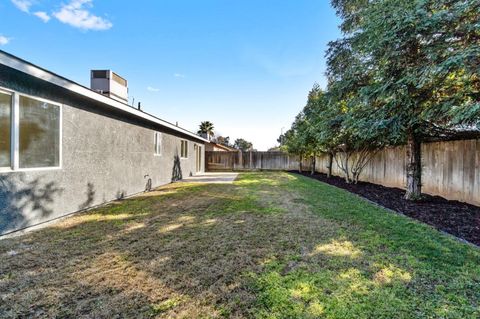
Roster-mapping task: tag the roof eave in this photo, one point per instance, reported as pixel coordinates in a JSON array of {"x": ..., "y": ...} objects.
[{"x": 45, "y": 75}]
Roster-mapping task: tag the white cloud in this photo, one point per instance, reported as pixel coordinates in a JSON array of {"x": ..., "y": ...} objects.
[
  {"x": 179, "y": 75},
  {"x": 23, "y": 5},
  {"x": 77, "y": 15},
  {"x": 4, "y": 40},
  {"x": 42, "y": 15},
  {"x": 152, "y": 89}
]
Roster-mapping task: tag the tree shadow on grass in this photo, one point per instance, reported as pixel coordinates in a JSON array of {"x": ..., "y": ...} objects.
[{"x": 163, "y": 255}]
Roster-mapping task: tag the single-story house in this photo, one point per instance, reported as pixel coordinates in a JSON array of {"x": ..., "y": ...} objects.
[
  {"x": 215, "y": 147},
  {"x": 65, "y": 147}
]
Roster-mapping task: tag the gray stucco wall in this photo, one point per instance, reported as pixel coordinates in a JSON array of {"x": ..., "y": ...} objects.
[{"x": 105, "y": 156}]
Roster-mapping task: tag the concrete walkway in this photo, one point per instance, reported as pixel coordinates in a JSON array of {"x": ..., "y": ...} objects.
[{"x": 214, "y": 178}]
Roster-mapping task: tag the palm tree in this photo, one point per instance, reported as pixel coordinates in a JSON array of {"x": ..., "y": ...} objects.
[{"x": 206, "y": 129}]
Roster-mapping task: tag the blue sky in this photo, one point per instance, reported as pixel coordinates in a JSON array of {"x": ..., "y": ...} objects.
[{"x": 246, "y": 66}]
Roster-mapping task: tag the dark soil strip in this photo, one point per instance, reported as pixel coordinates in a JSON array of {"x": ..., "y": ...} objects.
[{"x": 454, "y": 217}]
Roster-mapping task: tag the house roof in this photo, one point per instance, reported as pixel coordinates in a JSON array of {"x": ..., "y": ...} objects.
[
  {"x": 21, "y": 65},
  {"x": 230, "y": 149}
]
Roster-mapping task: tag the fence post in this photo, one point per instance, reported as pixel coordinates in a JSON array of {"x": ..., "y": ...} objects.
[{"x": 240, "y": 158}]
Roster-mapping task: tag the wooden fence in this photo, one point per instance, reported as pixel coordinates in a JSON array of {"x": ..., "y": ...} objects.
[
  {"x": 449, "y": 169},
  {"x": 244, "y": 161}
]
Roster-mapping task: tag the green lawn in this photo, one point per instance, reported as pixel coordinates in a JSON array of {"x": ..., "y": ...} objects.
[{"x": 271, "y": 245}]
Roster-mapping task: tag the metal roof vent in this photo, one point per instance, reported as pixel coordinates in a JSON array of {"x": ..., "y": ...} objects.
[{"x": 110, "y": 84}]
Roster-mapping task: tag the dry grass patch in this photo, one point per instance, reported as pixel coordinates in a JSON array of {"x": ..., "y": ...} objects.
[{"x": 183, "y": 250}]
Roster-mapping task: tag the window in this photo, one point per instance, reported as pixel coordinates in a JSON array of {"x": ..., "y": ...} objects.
[
  {"x": 30, "y": 132},
  {"x": 184, "y": 149},
  {"x": 39, "y": 138},
  {"x": 158, "y": 143},
  {"x": 5, "y": 129}
]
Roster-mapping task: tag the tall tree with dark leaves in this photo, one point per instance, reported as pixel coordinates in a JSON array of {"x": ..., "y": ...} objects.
[
  {"x": 421, "y": 59},
  {"x": 243, "y": 145},
  {"x": 301, "y": 138}
]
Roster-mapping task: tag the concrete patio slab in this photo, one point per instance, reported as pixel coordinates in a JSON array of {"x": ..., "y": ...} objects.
[{"x": 212, "y": 178}]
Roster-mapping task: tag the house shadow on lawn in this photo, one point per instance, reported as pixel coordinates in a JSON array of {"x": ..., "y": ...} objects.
[{"x": 190, "y": 250}]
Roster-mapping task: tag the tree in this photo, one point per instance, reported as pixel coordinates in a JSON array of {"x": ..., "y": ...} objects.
[
  {"x": 243, "y": 145},
  {"x": 289, "y": 142},
  {"x": 223, "y": 140},
  {"x": 334, "y": 123},
  {"x": 343, "y": 128},
  {"x": 414, "y": 70},
  {"x": 206, "y": 130},
  {"x": 348, "y": 126},
  {"x": 301, "y": 138},
  {"x": 325, "y": 128},
  {"x": 403, "y": 72}
]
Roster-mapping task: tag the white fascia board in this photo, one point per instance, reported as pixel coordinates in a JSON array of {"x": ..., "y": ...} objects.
[{"x": 35, "y": 71}]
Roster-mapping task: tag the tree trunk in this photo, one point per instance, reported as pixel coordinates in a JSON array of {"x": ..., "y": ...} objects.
[
  {"x": 347, "y": 174},
  {"x": 355, "y": 177},
  {"x": 314, "y": 161},
  {"x": 300, "y": 164},
  {"x": 330, "y": 164},
  {"x": 414, "y": 168}
]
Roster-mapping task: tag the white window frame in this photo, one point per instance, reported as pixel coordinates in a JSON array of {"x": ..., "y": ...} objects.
[
  {"x": 12, "y": 126},
  {"x": 158, "y": 143},
  {"x": 186, "y": 149},
  {"x": 15, "y": 134}
]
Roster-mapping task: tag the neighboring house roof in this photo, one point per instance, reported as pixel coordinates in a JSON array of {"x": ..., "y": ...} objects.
[
  {"x": 38, "y": 72},
  {"x": 226, "y": 148}
]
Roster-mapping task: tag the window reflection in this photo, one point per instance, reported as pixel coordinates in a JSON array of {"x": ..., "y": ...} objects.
[{"x": 39, "y": 133}]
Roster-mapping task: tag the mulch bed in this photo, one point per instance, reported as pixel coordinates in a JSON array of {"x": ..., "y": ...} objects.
[{"x": 454, "y": 217}]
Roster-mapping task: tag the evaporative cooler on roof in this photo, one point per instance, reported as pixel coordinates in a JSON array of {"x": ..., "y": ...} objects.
[{"x": 109, "y": 84}]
